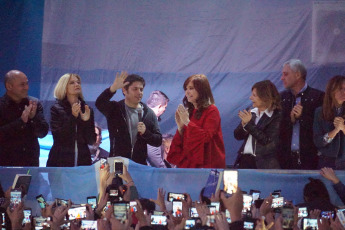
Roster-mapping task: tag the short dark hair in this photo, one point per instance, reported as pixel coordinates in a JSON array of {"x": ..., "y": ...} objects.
[
  {"x": 157, "y": 97},
  {"x": 314, "y": 190},
  {"x": 133, "y": 78},
  {"x": 147, "y": 205}
]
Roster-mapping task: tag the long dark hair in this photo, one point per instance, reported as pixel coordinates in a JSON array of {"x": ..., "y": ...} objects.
[
  {"x": 329, "y": 102},
  {"x": 205, "y": 99}
]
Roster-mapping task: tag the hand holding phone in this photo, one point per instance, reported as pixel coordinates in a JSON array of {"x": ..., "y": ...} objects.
[
  {"x": 132, "y": 205},
  {"x": 41, "y": 201},
  {"x": 175, "y": 196},
  {"x": 92, "y": 200},
  {"x": 16, "y": 197},
  {"x": 27, "y": 216},
  {"x": 177, "y": 208}
]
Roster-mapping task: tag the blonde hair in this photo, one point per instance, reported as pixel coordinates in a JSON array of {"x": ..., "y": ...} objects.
[{"x": 60, "y": 90}]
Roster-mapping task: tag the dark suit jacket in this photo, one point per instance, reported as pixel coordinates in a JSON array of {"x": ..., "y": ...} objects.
[
  {"x": 120, "y": 141},
  {"x": 265, "y": 139},
  {"x": 310, "y": 99}
]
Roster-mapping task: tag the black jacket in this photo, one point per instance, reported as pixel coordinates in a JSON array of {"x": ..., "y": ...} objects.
[
  {"x": 120, "y": 141},
  {"x": 265, "y": 139},
  {"x": 310, "y": 99},
  {"x": 66, "y": 129},
  {"x": 18, "y": 140}
]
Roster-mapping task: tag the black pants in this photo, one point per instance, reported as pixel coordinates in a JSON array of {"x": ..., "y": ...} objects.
[{"x": 247, "y": 161}]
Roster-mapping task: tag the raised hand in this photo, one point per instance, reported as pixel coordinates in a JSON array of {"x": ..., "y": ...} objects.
[
  {"x": 234, "y": 204},
  {"x": 329, "y": 174},
  {"x": 119, "y": 81},
  {"x": 85, "y": 116},
  {"x": 160, "y": 199}
]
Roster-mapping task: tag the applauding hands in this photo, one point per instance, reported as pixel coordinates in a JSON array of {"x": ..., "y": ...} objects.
[{"x": 76, "y": 110}]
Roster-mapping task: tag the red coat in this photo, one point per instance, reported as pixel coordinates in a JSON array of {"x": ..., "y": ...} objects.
[{"x": 202, "y": 143}]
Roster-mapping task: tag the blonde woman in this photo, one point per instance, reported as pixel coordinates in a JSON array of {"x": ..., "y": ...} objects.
[{"x": 72, "y": 125}]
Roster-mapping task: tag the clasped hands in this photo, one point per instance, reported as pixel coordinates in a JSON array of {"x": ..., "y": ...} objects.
[
  {"x": 29, "y": 111},
  {"x": 141, "y": 128},
  {"x": 181, "y": 117},
  {"x": 245, "y": 116},
  {"x": 339, "y": 124},
  {"x": 76, "y": 110},
  {"x": 296, "y": 112}
]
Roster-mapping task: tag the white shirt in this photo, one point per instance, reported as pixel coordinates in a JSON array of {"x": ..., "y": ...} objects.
[{"x": 248, "y": 148}]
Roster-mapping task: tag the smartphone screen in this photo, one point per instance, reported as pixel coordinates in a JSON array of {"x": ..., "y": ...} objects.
[
  {"x": 3, "y": 219},
  {"x": 212, "y": 209},
  {"x": 103, "y": 163},
  {"x": 92, "y": 200},
  {"x": 121, "y": 211},
  {"x": 327, "y": 214},
  {"x": 302, "y": 212},
  {"x": 255, "y": 194},
  {"x": 278, "y": 202},
  {"x": 41, "y": 222},
  {"x": 89, "y": 224},
  {"x": 248, "y": 225},
  {"x": 310, "y": 224},
  {"x": 190, "y": 223},
  {"x": 177, "y": 208},
  {"x": 193, "y": 212},
  {"x": 118, "y": 166},
  {"x": 158, "y": 220},
  {"x": 27, "y": 216},
  {"x": 175, "y": 196},
  {"x": 107, "y": 206},
  {"x": 230, "y": 179},
  {"x": 41, "y": 201},
  {"x": 16, "y": 197},
  {"x": 61, "y": 202},
  {"x": 341, "y": 216},
  {"x": 132, "y": 205},
  {"x": 77, "y": 213},
  {"x": 288, "y": 218},
  {"x": 276, "y": 193},
  {"x": 247, "y": 202},
  {"x": 217, "y": 205}
]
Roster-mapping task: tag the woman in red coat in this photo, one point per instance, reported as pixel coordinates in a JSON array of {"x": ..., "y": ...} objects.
[{"x": 198, "y": 142}]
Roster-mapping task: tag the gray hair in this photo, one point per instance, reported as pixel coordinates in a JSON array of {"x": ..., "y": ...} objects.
[{"x": 297, "y": 66}]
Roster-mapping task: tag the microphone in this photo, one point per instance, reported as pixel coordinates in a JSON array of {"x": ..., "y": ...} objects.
[{"x": 140, "y": 114}]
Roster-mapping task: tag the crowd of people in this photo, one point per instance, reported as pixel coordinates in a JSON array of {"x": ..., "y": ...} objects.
[
  {"x": 222, "y": 210},
  {"x": 299, "y": 128}
]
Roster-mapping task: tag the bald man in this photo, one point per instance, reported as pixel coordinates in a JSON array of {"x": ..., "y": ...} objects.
[{"x": 21, "y": 123}]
